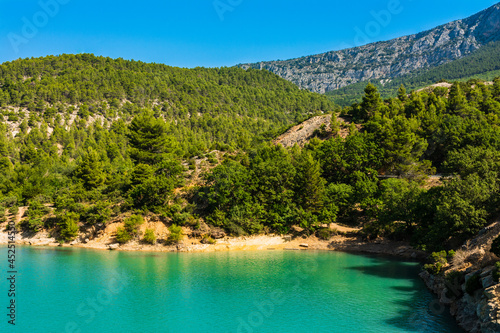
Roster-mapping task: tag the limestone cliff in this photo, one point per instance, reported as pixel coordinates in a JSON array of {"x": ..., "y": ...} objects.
[{"x": 385, "y": 60}]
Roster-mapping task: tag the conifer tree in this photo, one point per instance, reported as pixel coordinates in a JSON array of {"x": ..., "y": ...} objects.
[
  {"x": 456, "y": 100},
  {"x": 90, "y": 170},
  {"x": 371, "y": 102},
  {"x": 148, "y": 139},
  {"x": 402, "y": 96},
  {"x": 310, "y": 185}
]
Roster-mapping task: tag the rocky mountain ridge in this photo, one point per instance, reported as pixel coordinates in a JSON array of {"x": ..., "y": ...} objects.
[{"x": 385, "y": 60}]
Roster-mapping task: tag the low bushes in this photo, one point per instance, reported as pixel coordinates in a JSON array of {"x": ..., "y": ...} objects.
[
  {"x": 68, "y": 226},
  {"x": 495, "y": 246},
  {"x": 473, "y": 284},
  {"x": 175, "y": 234},
  {"x": 438, "y": 260},
  {"x": 129, "y": 230},
  {"x": 496, "y": 272},
  {"x": 149, "y": 236}
]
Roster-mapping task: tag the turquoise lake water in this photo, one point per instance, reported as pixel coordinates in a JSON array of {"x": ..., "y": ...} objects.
[{"x": 79, "y": 290}]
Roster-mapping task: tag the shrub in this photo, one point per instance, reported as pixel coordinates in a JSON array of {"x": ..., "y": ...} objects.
[
  {"x": 130, "y": 229},
  {"x": 207, "y": 240},
  {"x": 175, "y": 234},
  {"x": 9, "y": 201},
  {"x": 68, "y": 224},
  {"x": 132, "y": 224},
  {"x": 463, "y": 256},
  {"x": 13, "y": 210},
  {"x": 473, "y": 284},
  {"x": 451, "y": 255},
  {"x": 149, "y": 236},
  {"x": 325, "y": 234},
  {"x": 496, "y": 272},
  {"x": 122, "y": 236},
  {"x": 438, "y": 261},
  {"x": 33, "y": 224},
  {"x": 35, "y": 213},
  {"x": 434, "y": 269},
  {"x": 495, "y": 246},
  {"x": 440, "y": 257},
  {"x": 98, "y": 213},
  {"x": 2, "y": 214}
]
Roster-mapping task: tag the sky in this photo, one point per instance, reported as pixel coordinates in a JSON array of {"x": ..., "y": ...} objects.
[{"x": 213, "y": 33}]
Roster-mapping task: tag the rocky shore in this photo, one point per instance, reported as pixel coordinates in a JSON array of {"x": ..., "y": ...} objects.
[
  {"x": 347, "y": 240},
  {"x": 476, "y": 312},
  {"x": 467, "y": 285}
]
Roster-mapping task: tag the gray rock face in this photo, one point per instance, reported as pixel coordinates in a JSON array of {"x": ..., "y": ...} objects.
[{"x": 385, "y": 60}]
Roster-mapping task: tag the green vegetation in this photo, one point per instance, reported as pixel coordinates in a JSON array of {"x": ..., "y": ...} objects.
[
  {"x": 325, "y": 233},
  {"x": 175, "y": 234},
  {"x": 207, "y": 240},
  {"x": 495, "y": 246},
  {"x": 148, "y": 139},
  {"x": 68, "y": 226},
  {"x": 35, "y": 214},
  {"x": 130, "y": 230},
  {"x": 438, "y": 261},
  {"x": 122, "y": 236},
  {"x": 100, "y": 137},
  {"x": 473, "y": 284},
  {"x": 149, "y": 236},
  {"x": 496, "y": 272}
]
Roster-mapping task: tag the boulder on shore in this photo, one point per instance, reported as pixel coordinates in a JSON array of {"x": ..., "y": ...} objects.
[{"x": 113, "y": 246}]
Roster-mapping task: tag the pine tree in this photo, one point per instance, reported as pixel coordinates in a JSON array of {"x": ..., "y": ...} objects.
[
  {"x": 89, "y": 170},
  {"x": 148, "y": 139},
  {"x": 402, "y": 96},
  {"x": 310, "y": 185},
  {"x": 456, "y": 100},
  {"x": 371, "y": 102}
]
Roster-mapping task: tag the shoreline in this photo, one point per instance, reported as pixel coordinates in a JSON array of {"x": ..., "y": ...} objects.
[{"x": 349, "y": 244}]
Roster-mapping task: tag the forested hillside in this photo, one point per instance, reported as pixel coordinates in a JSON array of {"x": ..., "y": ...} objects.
[
  {"x": 452, "y": 132},
  {"x": 90, "y": 133},
  {"x": 98, "y": 138}
]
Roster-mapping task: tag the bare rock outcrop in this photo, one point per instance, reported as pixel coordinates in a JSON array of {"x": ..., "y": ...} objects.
[{"x": 386, "y": 60}]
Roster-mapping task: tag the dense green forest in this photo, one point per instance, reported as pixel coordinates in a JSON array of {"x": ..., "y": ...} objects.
[
  {"x": 138, "y": 130},
  {"x": 454, "y": 133},
  {"x": 482, "y": 64}
]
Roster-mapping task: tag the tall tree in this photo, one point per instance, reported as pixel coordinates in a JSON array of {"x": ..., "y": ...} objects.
[
  {"x": 310, "y": 185},
  {"x": 148, "y": 139},
  {"x": 371, "y": 102},
  {"x": 90, "y": 170}
]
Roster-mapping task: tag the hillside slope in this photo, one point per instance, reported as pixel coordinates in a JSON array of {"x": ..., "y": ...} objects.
[
  {"x": 206, "y": 108},
  {"x": 385, "y": 60}
]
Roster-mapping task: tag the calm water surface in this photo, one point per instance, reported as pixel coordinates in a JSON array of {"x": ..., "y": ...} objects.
[{"x": 79, "y": 290}]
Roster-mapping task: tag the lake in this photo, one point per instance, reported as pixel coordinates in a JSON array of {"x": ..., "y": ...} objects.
[{"x": 81, "y": 290}]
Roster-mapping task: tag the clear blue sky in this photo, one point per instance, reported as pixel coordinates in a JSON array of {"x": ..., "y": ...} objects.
[{"x": 190, "y": 33}]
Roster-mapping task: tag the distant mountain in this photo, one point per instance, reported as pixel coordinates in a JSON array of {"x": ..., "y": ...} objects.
[
  {"x": 482, "y": 64},
  {"x": 387, "y": 60}
]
